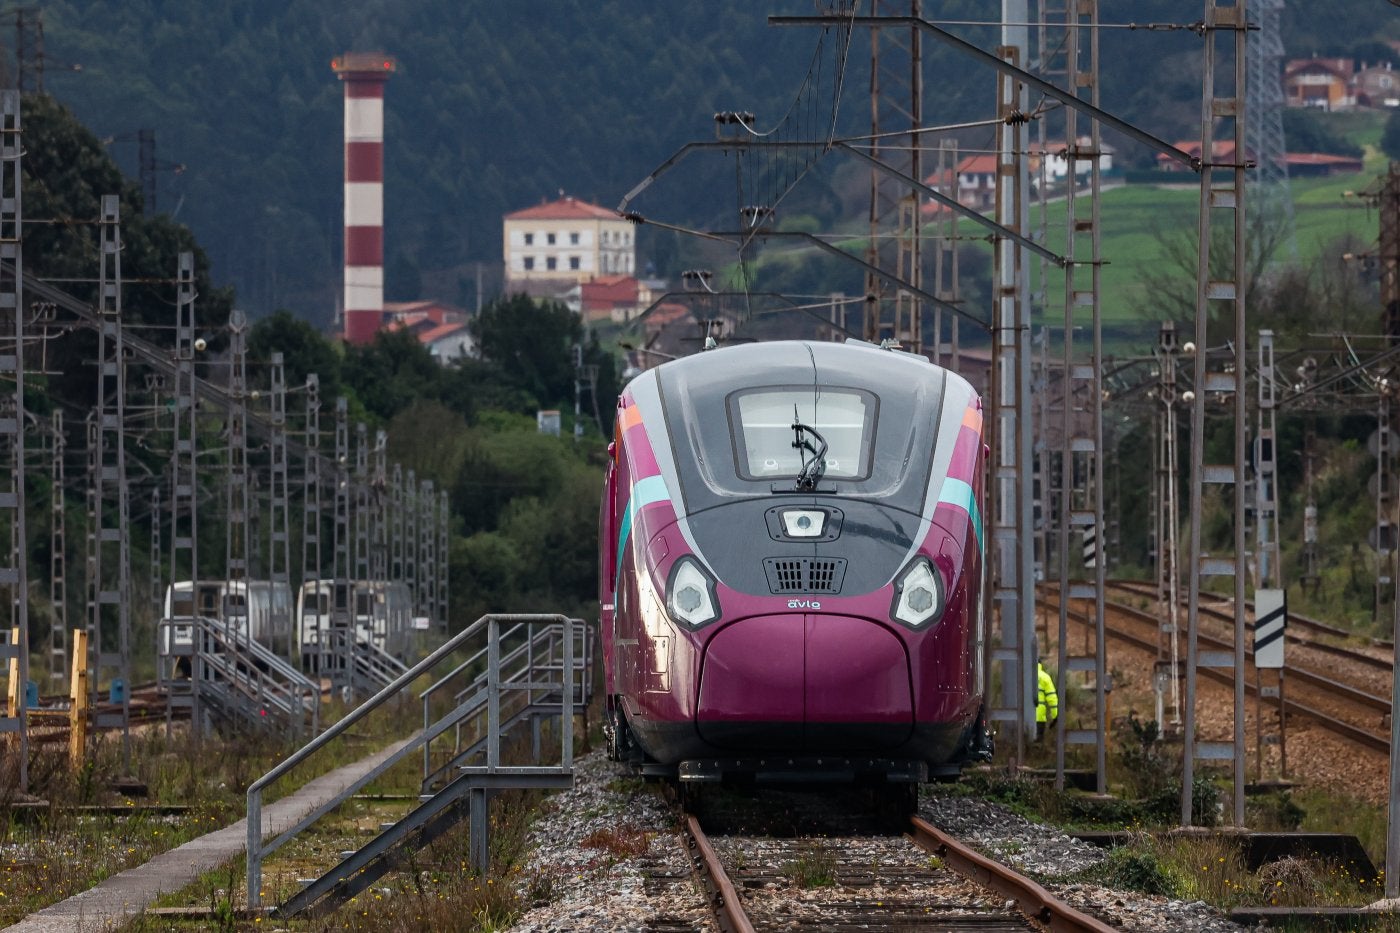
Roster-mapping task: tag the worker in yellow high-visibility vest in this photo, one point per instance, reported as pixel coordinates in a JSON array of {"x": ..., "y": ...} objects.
[{"x": 1047, "y": 701}]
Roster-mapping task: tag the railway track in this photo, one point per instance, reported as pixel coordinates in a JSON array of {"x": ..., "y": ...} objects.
[
  {"x": 924, "y": 880},
  {"x": 1295, "y": 623},
  {"x": 1340, "y": 708}
]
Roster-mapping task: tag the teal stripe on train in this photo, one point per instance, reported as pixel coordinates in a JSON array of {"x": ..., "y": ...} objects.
[
  {"x": 644, "y": 492},
  {"x": 958, "y": 493}
]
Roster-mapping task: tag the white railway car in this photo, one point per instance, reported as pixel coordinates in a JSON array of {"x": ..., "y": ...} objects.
[{"x": 383, "y": 615}]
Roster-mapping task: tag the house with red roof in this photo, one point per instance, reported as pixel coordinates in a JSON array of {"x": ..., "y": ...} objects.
[
  {"x": 440, "y": 327},
  {"x": 616, "y": 298},
  {"x": 449, "y": 342},
  {"x": 1325, "y": 83},
  {"x": 564, "y": 241},
  {"x": 974, "y": 180},
  {"x": 1377, "y": 86}
]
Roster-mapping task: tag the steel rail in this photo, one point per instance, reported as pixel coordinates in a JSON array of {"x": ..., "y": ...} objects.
[
  {"x": 1344, "y": 729},
  {"x": 724, "y": 899},
  {"x": 1312, "y": 625},
  {"x": 1031, "y": 899}
]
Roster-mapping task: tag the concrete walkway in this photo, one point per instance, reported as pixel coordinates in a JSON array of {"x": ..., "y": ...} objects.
[{"x": 125, "y": 895}]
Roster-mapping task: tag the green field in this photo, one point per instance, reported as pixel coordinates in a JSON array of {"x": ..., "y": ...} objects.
[{"x": 1134, "y": 219}]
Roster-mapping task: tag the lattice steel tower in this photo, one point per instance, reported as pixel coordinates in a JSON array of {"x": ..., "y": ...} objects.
[
  {"x": 1264, "y": 141},
  {"x": 58, "y": 560},
  {"x": 15, "y": 577},
  {"x": 111, "y": 545},
  {"x": 311, "y": 496},
  {"x": 279, "y": 559}
]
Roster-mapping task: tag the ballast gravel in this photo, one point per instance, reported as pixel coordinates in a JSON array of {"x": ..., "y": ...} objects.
[{"x": 608, "y": 855}]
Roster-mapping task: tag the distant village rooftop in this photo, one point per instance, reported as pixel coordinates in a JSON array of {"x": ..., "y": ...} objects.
[{"x": 564, "y": 208}]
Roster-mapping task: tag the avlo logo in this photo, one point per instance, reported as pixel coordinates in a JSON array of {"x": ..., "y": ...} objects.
[{"x": 804, "y": 604}]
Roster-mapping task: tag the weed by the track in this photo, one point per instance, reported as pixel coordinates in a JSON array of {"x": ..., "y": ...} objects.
[
  {"x": 621, "y": 841},
  {"x": 814, "y": 868}
]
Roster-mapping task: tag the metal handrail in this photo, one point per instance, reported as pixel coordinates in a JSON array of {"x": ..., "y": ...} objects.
[
  {"x": 525, "y": 653},
  {"x": 487, "y": 623},
  {"x": 252, "y": 671}
]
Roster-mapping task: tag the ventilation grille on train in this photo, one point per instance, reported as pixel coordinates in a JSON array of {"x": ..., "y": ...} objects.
[{"x": 804, "y": 574}]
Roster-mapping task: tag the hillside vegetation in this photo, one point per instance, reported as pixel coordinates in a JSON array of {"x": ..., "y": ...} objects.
[{"x": 497, "y": 105}]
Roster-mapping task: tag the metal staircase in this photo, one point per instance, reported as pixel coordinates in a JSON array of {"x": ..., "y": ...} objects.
[
  {"x": 527, "y": 662},
  {"x": 359, "y": 665},
  {"x": 212, "y": 669},
  {"x": 501, "y": 671}
]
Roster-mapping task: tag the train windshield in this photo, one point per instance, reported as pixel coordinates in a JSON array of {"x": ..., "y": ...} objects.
[
  {"x": 761, "y": 421},
  {"x": 730, "y": 419}
]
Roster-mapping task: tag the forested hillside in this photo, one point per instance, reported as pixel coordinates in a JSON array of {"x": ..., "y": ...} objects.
[{"x": 496, "y": 105}]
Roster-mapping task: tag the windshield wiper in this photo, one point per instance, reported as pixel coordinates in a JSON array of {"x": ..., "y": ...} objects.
[{"x": 812, "y": 470}]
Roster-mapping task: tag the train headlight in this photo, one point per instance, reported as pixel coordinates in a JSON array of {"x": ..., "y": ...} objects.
[
  {"x": 918, "y": 595},
  {"x": 690, "y": 594}
]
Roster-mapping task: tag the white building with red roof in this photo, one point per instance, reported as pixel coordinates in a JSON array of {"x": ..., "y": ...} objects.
[
  {"x": 565, "y": 241},
  {"x": 449, "y": 342}
]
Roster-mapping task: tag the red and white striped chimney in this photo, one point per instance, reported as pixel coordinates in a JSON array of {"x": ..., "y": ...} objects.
[{"x": 364, "y": 75}]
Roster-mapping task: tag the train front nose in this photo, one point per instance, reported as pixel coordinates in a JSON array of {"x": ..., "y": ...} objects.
[{"x": 805, "y": 683}]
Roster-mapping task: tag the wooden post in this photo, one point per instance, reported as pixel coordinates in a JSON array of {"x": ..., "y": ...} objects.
[
  {"x": 14, "y": 697},
  {"x": 16, "y": 692},
  {"x": 78, "y": 700}
]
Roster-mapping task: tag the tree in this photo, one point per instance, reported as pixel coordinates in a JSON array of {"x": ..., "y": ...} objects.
[
  {"x": 1309, "y": 131},
  {"x": 1390, "y": 137},
  {"x": 304, "y": 350},
  {"x": 1171, "y": 279},
  {"x": 532, "y": 344},
  {"x": 388, "y": 374}
]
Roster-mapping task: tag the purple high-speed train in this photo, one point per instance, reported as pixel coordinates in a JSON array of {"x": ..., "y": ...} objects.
[{"x": 791, "y": 568}]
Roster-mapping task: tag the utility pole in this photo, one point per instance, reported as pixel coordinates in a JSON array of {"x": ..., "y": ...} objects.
[
  {"x": 945, "y": 258},
  {"x": 1220, "y": 300},
  {"x": 1081, "y": 494},
  {"x": 237, "y": 537},
  {"x": 157, "y": 603},
  {"x": 279, "y": 560},
  {"x": 1265, "y": 137},
  {"x": 184, "y": 480},
  {"x": 411, "y": 542},
  {"x": 379, "y": 543},
  {"x": 1168, "y": 674},
  {"x": 1013, "y": 583},
  {"x": 445, "y": 514},
  {"x": 112, "y": 566},
  {"x": 1311, "y": 578},
  {"x": 58, "y": 559},
  {"x": 1389, "y": 209},
  {"x": 427, "y": 548},
  {"x": 16, "y": 576},
  {"x": 29, "y": 49},
  {"x": 335, "y": 644},
  {"x": 396, "y": 520},
  {"x": 311, "y": 506},
  {"x": 896, "y": 106},
  {"x": 363, "y": 517}
]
